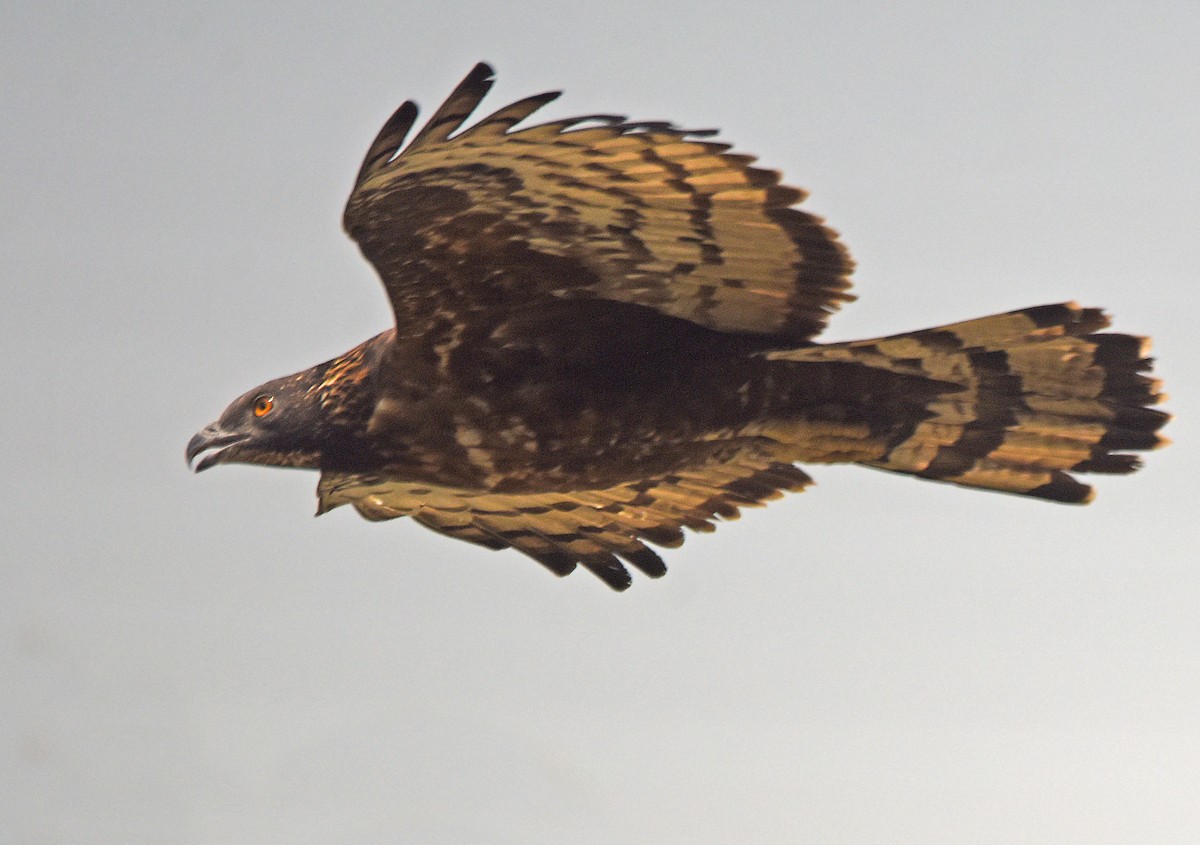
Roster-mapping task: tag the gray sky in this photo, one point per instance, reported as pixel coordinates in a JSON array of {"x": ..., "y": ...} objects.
[{"x": 196, "y": 659}]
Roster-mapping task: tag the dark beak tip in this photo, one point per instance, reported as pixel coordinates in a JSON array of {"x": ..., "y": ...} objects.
[
  {"x": 195, "y": 446},
  {"x": 210, "y": 437}
]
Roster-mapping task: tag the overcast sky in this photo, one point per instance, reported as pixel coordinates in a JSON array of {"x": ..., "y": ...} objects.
[{"x": 196, "y": 659}]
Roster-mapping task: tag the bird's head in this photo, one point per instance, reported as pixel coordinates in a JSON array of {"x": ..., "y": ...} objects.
[{"x": 280, "y": 423}]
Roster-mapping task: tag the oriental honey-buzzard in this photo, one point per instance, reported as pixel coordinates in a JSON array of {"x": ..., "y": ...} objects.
[{"x": 603, "y": 335}]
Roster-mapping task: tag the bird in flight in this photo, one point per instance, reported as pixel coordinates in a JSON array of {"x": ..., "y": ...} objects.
[{"x": 604, "y": 335}]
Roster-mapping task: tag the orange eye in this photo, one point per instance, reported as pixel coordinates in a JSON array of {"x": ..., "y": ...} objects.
[{"x": 263, "y": 406}]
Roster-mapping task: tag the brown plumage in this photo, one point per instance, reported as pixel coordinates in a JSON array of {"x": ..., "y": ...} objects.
[{"x": 603, "y": 336}]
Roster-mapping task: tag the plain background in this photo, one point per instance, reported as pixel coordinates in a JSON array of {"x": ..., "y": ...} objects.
[{"x": 195, "y": 659}]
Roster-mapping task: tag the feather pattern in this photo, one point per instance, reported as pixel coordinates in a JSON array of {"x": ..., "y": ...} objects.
[
  {"x": 595, "y": 528},
  {"x": 603, "y": 337},
  {"x": 592, "y": 206}
]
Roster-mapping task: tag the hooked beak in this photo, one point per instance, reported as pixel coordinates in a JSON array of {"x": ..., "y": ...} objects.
[{"x": 212, "y": 437}]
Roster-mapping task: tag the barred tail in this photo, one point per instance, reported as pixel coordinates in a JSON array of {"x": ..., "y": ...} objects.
[{"x": 1039, "y": 394}]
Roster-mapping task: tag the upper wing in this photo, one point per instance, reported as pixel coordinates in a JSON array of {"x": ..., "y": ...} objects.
[
  {"x": 636, "y": 212},
  {"x": 592, "y": 527}
]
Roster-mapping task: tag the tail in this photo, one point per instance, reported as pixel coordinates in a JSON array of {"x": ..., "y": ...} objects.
[{"x": 1030, "y": 397}]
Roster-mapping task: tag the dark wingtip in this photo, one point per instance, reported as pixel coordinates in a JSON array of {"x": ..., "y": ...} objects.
[
  {"x": 482, "y": 72},
  {"x": 608, "y": 569},
  {"x": 1063, "y": 488},
  {"x": 388, "y": 142},
  {"x": 647, "y": 561}
]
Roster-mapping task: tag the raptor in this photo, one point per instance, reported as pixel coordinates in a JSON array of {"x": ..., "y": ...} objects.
[{"x": 603, "y": 335}]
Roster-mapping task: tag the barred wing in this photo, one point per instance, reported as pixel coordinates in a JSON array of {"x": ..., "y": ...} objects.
[
  {"x": 589, "y": 527},
  {"x": 643, "y": 213}
]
